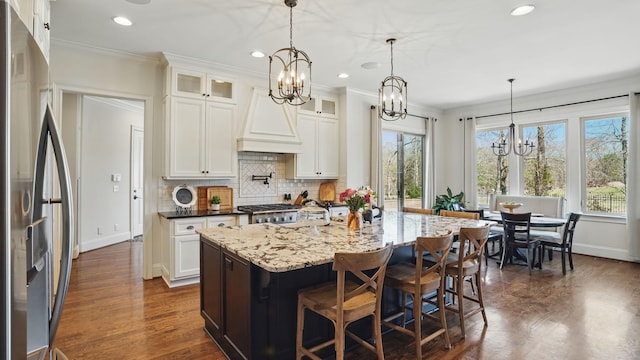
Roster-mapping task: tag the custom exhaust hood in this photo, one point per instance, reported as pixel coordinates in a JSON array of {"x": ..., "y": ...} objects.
[{"x": 268, "y": 127}]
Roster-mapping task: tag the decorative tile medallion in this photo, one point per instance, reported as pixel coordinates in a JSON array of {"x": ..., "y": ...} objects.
[{"x": 258, "y": 188}]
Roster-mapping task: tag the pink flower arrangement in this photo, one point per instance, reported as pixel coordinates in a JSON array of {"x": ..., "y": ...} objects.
[{"x": 357, "y": 199}]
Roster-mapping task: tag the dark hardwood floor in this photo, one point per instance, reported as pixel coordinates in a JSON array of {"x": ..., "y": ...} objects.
[{"x": 591, "y": 313}]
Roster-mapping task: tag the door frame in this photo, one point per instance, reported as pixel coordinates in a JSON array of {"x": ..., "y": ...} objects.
[
  {"x": 150, "y": 203},
  {"x": 133, "y": 163}
]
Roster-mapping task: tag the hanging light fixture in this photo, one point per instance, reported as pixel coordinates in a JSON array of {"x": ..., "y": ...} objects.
[
  {"x": 505, "y": 145},
  {"x": 393, "y": 95},
  {"x": 292, "y": 66}
]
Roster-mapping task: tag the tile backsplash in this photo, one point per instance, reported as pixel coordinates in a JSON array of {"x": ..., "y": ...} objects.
[{"x": 245, "y": 190}]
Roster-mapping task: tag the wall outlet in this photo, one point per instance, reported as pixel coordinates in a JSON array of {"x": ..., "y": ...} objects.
[{"x": 100, "y": 230}]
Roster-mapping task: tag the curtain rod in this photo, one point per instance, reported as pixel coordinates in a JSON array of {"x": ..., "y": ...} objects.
[
  {"x": 554, "y": 106},
  {"x": 418, "y": 116}
]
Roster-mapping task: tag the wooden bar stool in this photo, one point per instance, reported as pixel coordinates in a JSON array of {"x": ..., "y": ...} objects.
[
  {"x": 460, "y": 214},
  {"x": 472, "y": 243},
  {"x": 418, "y": 210},
  {"x": 417, "y": 282},
  {"x": 346, "y": 301}
]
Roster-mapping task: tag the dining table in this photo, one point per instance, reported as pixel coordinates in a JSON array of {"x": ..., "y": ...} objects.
[{"x": 537, "y": 220}]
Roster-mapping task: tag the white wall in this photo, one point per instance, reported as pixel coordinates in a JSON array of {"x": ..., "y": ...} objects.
[
  {"x": 595, "y": 235},
  {"x": 106, "y": 151}
]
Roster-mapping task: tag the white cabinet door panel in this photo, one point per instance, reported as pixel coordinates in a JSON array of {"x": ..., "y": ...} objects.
[
  {"x": 221, "y": 140},
  {"x": 187, "y": 132}
]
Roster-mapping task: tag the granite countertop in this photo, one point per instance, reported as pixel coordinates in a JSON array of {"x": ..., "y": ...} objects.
[
  {"x": 280, "y": 248},
  {"x": 199, "y": 213}
]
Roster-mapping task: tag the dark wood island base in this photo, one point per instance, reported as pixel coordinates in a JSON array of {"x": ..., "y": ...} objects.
[{"x": 250, "y": 312}]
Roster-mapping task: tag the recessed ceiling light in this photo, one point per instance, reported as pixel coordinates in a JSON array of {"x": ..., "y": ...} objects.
[
  {"x": 121, "y": 20},
  {"x": 370, "y": 65},
  {"x": 139, "y": 2},
  {"x": 343, "y": 75},
  {"x": 257, "y": 54},
  {"x": 522, "y": 9}
]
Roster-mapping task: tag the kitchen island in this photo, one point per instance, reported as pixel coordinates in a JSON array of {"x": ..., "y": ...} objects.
[{"x": 250, "y": 276}]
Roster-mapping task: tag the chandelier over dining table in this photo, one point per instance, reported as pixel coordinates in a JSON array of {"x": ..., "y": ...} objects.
[
  {"x": 293, "y": 82},
  {"x": 392, "y": 102},
  {"x": 506, "y": 144}
]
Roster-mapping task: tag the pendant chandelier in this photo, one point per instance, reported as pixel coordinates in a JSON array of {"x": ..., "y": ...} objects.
[
  {"x": 392, "y": 104},
  {"x": 507, "y": 144},
  {"x": 292, "y": 67}
]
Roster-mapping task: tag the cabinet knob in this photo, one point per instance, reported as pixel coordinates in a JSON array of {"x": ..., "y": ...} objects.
[
  {"x": 46, "y": 26},
  {"x": 204, "y": 94},
  {"x": 221, "y": 225},
  {"x": 202, "y": 171},
  {"x": 208, "y": 95},
  {"x": 190, "y": 227}
]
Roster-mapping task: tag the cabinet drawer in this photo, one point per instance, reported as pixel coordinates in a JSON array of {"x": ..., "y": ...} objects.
[
  {"x": 215, "y": 221},
  {"x": 187, "y": 227}
]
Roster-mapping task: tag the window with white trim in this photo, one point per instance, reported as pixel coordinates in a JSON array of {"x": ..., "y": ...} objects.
[{"x": 604, "y": 164}]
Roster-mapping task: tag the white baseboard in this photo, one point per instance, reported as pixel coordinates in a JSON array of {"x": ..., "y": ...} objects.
[
  {"x": 96, "y": 243},
  {"x": 156, "y": 270},
  {"x": 601, "y": 251}
]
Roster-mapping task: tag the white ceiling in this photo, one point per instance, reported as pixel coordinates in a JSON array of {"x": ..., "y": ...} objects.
[{"x": 451, "y": 52}]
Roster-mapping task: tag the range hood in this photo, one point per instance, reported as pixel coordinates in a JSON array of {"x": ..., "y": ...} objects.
[{"x": 269, "y": 127}]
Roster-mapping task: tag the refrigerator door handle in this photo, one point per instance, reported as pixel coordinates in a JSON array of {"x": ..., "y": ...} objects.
[{"x": 50, "y": 130}]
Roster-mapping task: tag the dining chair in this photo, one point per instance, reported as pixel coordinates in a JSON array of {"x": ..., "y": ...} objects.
[
  {"x": 517, "y": 229},
  {"x": 495, "y": 235},
  {"x": 416, "y": 282},
  {"x": 418, "y": 210},
  {"x": 564, "y": 243},
  {"x": 460, "y": 214},
  {"x": 345, "y": 301},
  {"x": 468, "y": 266}
]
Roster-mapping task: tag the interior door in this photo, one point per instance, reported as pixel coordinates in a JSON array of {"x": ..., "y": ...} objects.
[{"x": 137, "y": 180}]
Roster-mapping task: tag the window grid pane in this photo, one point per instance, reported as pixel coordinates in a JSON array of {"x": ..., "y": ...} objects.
[
  {"x": 545, "y": 169},
  {"x": 605, "y": 164}
]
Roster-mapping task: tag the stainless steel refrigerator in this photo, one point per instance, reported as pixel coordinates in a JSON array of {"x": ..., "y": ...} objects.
[{"x": 32, "y": 167}]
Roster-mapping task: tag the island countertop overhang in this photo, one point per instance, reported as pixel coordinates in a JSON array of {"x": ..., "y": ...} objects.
[{"x": 280, "y": 248}]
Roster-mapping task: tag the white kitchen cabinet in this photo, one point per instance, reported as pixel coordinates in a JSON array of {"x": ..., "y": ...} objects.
[
  {"x": 320, "y": 151},
  {"x": 24, "y": 9},
  {"x": 322, "y": 106},
  {"x": 41, "y": 25},
  {"x": 201, "y": 141},
  {"x": 181, "y": 248},
  {"x": 201, "y": 85}
]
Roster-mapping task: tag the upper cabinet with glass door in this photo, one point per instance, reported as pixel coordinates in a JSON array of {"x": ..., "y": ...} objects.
[
  {"x": 320, "y": 105},
  {"x": 200, "y": 85}
]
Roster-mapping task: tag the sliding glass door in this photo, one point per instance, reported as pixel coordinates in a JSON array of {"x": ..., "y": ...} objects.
[{"x": 403, "y": 170}]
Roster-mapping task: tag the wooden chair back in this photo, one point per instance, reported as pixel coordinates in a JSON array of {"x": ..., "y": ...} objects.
[
  {"x": 472, "y": 244},
  {"x": 438, "y": 247},
  {"x": 569, "y": 228},
  {"x": 515, "y": 224},
  {"x": 460, "y": 214},
  {"x": 357, "y": 263},
  {"x": 418, "y": 210},
  {"x": 480, "y": 212}
]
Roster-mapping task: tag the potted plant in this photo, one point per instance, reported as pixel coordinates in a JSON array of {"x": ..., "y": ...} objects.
[
  {"x": 449, "y": 201},
  {"x": 214, "y": 202}
]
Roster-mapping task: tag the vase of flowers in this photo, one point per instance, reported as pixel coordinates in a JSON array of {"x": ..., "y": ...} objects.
[{"x": 356, "y": 201}]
